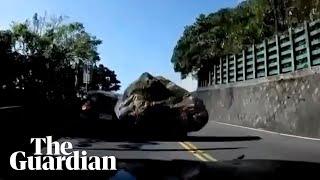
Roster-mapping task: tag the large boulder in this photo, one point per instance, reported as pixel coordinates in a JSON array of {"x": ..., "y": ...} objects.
[{"x": 157, "y": 104}]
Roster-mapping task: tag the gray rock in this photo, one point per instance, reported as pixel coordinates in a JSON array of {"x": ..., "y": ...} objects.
[{"x": 158, "y": 104}]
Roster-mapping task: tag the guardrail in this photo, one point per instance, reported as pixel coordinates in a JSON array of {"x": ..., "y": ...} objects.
[
  {"x": 9, "y": 107},
  {"x": 11, "y": 113},
  {"x": 296, "y": 49}
]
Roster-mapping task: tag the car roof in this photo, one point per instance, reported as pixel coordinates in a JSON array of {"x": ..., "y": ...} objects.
[{"x": 105, "y": 93}]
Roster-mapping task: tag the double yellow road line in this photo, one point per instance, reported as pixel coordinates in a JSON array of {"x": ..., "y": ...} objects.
[{"x": 203, "y": 156}]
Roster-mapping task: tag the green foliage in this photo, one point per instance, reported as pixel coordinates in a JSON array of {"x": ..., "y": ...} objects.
[
  {"x": 227, "y": 31},
  {"x": 99, "y": 80},
  {"x": 46, "y": 58}
]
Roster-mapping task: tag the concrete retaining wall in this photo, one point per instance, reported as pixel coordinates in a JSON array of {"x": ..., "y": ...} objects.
[{"x": 288, "y": 103}]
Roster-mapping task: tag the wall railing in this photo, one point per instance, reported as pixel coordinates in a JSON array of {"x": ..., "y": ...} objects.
[{"x": 296, "y": 49}]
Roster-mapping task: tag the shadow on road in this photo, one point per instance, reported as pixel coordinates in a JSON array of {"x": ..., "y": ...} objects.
[
  {"x": 135, "y": 145},
  {"x": 148, "y": 138},
  {"x": 160, "y": 150}
]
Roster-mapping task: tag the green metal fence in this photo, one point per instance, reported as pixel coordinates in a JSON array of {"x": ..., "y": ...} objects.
[{"x": 296, "y": 49}]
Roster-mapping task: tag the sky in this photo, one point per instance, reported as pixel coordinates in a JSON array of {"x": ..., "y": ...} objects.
[{"x": 138, "y": 35}]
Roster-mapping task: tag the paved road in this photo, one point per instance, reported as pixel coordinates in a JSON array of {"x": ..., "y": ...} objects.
[
  {"x": 228, "y": 143},
  {"x": 270, "y": 146}
]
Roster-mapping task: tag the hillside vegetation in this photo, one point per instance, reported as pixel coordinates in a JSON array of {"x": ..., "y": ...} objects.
[{"x": 231, "y": 29}]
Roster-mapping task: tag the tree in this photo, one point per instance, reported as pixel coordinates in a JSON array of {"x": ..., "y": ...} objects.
[
  {"x": 7, "y": 76},
  {"x": 104, "y": 79},
  {"x": 45, "y": 57},
  {"x": 230, "y": 30}
]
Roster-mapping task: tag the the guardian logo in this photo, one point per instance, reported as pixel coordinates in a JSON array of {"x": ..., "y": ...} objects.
[{"x": 59, "y": 157}]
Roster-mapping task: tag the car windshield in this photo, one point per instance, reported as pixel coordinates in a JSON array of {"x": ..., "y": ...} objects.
[{"x": 208, "y": 81}]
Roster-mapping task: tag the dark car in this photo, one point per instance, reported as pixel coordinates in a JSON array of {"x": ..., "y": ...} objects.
[{"x": 99, "y": 105}]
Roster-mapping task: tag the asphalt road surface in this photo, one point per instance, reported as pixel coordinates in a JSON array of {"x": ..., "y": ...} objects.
[{"x": 228, "y": 142}]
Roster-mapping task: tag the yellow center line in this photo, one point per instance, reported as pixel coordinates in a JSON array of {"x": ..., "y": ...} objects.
[
  {"x": 193, "y": 152},
  {"x": 203, "y": 156},
  {"x": 201, "y": 152}
]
